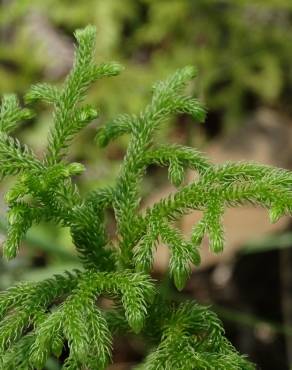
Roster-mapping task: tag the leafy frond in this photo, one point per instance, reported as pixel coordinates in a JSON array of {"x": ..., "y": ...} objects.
[
  {"x": 166, "y": 100},
  {"x": 69, "y": 118},
  {"x": 121, "y": 125},
  {"x": 217, "y": 188},
  {"x": 43, "y": 91},
  {"x": 190, "y": 336},
  {"x": 11, "y": 113},
  {"x": 182, "y": 254},
  {"x": 20, "y": 219},
  {"x": 178, "y": 158},
  {"x": 14, "y": 157},
  {"x": 77, "y": 320}
]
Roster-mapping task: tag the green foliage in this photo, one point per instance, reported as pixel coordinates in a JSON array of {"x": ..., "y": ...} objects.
[
  {"x": 40, "y": 319},
  {"x": 155, "y": 36}
]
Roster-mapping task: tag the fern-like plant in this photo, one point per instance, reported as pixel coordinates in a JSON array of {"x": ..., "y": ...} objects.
[{"x": 39, "y": 319}]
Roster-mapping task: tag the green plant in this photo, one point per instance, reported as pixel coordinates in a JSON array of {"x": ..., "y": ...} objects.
[{"x": 39, "y": 318}]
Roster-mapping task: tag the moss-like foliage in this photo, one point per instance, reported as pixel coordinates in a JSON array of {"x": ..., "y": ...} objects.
[{"x": 40, "y": 319}]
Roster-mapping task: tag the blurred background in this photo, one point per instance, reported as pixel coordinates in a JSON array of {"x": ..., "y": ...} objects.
[{"x": 243, "y": 53}]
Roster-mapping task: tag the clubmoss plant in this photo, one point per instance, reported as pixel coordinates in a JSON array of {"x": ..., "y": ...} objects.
[{"x": 61, "y": 315}]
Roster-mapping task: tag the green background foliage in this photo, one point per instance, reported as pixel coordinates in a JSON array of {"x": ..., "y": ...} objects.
[{"x": 240, "y": 48}]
